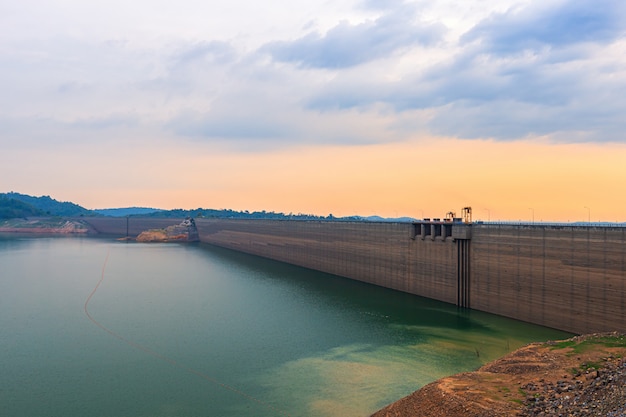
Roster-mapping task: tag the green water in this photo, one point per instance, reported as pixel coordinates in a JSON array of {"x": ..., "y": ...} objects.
[{"x": 193, "y": 330}]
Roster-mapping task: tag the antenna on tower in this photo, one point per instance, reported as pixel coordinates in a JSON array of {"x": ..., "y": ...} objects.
[{"x": 467, "y": 214}]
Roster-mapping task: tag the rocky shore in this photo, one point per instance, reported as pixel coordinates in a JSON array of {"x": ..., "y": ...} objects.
[
  {"x": 186, "y": 231},
  {"x": 183, "y": 232},
  {"x": 579, "y": 377},
  {"x": 601, "y": 392},
  {"x": 45, "y": 226}
]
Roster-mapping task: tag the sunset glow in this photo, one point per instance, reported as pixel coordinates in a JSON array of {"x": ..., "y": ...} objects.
[{"x": 395, "y": 108}]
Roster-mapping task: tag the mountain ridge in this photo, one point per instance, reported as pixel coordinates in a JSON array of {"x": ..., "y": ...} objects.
[{"x": 47, "y": 206}]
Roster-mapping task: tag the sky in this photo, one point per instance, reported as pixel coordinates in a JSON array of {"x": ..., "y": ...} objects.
[{"x": 343, "y": 107}]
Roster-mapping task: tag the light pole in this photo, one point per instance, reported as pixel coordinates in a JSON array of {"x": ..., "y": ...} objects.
[
  {"x": 533, "y": 211},
  {"x": 588, "y": 214}
]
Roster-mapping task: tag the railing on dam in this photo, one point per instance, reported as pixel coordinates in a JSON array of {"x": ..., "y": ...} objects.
[
  {"x": 551, "y": 224},
  {"x": 437, "y": 229}
]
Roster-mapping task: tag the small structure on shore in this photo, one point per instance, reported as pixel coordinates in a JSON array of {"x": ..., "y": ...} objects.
[{"x": 186, "y": 231}]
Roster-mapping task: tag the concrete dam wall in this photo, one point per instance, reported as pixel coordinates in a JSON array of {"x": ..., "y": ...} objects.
[
  {"x": 378, "y": 253},
  {"x": 566, "y": 277},
  {"x": 122, "y": 226}
]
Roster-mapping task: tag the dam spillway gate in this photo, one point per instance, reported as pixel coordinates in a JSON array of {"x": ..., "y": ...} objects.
[
  {"x": 460, "y": 234},
  {"x": 463, "y": 273}
]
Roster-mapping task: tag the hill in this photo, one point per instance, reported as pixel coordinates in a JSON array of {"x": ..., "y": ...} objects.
[
  {"x": 11, "y": 208},
  {"x": 48, "y": 206},
  {"x": 233, "y": 214},
  {"x": 126, "y": 211}
]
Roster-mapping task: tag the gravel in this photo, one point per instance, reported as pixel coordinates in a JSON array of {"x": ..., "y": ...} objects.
[{"x": 595, "y": 392}]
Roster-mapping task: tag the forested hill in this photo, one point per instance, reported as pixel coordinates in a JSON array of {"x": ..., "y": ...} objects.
[
  {"x": 233, "y": 214},
  {"x": 22, "y": 205},
  {"x": 265, "y": 215},
  {"x": 14, "y": 205},
  {"x": 126, "y": 211},
  {"x": 11, "y": 208}
]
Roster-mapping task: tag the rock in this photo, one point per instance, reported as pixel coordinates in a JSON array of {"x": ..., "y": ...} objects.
[
  {"x": 46, "y": 225},
  {"x": 186, "y": 231},
  {"x": 530, "y": 382}
]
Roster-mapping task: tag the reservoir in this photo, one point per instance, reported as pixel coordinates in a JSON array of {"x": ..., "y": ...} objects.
[{"x": 101, "y": 328}]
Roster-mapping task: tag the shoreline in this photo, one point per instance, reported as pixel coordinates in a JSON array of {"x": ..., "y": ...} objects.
[
  {"x": 46, "y": 225},
  {"x": 42, "y": 230},
  {"x": 568, "y": 377}
]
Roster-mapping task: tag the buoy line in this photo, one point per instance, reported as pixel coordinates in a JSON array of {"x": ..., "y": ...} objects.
[{"x": 162, "y": 357}]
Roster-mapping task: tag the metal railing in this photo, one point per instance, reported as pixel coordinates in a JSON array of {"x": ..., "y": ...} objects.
[{"x": 549, "y": 224}]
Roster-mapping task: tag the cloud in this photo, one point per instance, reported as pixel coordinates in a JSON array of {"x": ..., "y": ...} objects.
[
  {"x": 550, "y": 25},
  {"x": 253, "y": 104},
  {"x": 552, "y": 69},
  {"x": 382, "y": 4},
  {"x": 512, "y": 76},
  {"x": 240, "y": 125},
  {"x": 262, "y": 123},
  {"x": 211, "y": 51},
  {"x": 567, "y": 101},
  {"x": 104, "y": 122},
  {"x": 347, "y": 45}
]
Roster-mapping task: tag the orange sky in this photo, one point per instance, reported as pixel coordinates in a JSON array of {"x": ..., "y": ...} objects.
[
  {"x": 499, "y": 180},
  {"x": 319, "y": 107}
]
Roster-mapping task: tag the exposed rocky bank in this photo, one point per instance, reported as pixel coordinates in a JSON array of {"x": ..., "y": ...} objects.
[
  {"x": 45, "y": 225},
  {"x": 183, "y": 232},
  {"x": 581, "y": 376}
]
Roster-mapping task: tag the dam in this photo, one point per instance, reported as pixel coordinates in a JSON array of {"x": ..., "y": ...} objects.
[{"x": 567, "y": 277}]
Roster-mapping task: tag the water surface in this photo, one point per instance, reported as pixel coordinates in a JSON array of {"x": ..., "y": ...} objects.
[{"x": 194, "y": 330}]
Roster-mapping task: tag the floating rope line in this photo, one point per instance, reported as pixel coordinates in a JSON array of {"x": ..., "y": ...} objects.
[{"x": 163, "y": 357}]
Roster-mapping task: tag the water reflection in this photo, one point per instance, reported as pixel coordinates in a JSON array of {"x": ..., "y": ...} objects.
[{"x": 286, "y": 338}]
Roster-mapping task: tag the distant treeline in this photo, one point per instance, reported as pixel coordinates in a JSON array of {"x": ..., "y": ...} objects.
[
  {"x": 11, "y": 208},
  {"x": 16, "y": 205},
  {"x": 232, "y": 214}
]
